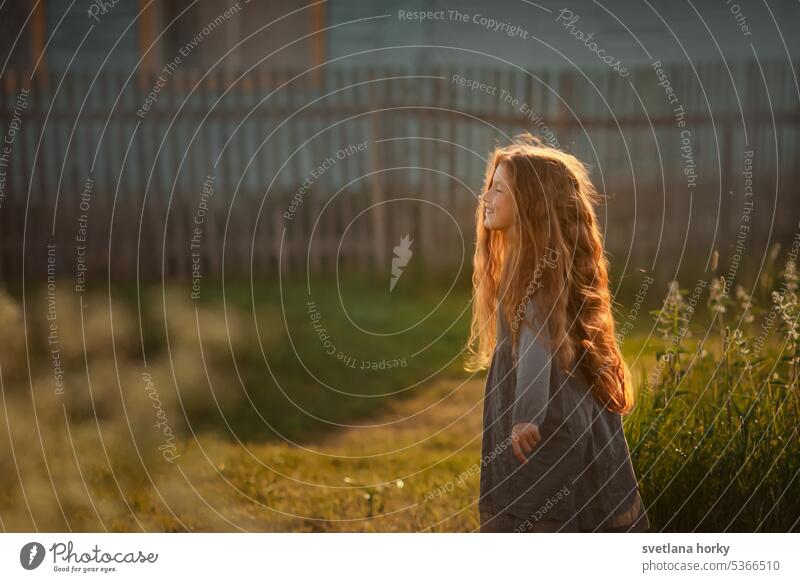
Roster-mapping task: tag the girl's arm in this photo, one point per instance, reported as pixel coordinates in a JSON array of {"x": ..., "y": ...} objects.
[
  {"x": 533, "y": 370},
  {"x": 533, "y": 384}
]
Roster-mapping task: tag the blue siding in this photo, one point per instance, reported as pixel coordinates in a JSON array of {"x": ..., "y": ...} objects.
[
  {"x": 546, "y": 38},
  {"x": 65, "y": 35}
]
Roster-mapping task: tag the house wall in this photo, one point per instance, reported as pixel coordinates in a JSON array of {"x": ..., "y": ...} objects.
[{"x": 369, "y": 24}]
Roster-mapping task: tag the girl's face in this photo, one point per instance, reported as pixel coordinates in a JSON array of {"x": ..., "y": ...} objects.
[{"x": 498, "y": 203}]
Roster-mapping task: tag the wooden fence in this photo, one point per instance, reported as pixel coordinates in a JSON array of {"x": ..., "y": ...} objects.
[{"x": 144, "y": 176}]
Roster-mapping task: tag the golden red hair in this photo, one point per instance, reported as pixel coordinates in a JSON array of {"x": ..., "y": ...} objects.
[{"x": 559, "y": 264}]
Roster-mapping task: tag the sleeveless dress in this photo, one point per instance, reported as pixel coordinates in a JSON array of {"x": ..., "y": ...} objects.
[{"x": 579, "y": 478}]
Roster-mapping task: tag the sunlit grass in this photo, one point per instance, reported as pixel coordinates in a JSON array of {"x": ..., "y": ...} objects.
[{"x": 713, "y": 436}]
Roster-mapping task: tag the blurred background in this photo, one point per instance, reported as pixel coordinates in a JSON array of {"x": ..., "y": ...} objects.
[{"x": 236, "y": 241}]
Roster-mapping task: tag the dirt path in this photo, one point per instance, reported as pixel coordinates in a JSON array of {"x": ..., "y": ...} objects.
[{"x": 414, "y": 469}]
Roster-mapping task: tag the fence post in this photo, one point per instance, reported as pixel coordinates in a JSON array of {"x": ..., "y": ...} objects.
[{"x": 375, "y": 181}]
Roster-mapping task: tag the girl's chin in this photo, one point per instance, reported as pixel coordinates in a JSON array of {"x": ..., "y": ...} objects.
[{"x": 487, "y": 222}]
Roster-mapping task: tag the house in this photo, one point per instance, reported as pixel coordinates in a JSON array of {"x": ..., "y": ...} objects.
[{"x": 267, "y": 35}]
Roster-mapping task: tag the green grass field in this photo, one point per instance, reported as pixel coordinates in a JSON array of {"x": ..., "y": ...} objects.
[{"x": 226, "y": 422}]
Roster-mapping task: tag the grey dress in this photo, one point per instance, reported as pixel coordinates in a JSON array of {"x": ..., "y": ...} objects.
[{"x": 579, "y": 477}]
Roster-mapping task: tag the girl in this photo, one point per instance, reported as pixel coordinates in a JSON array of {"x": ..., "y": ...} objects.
[{"x": 554, "y": 455}]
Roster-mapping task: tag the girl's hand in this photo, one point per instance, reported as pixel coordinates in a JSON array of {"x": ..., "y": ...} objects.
[{"x": 524, "y": 438}]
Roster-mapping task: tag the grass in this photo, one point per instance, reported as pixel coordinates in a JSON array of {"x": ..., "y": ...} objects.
[{"x": 713, "y": 437}]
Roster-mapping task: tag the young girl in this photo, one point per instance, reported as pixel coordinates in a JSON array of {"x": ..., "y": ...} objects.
[{"x": 554, "y": 455}]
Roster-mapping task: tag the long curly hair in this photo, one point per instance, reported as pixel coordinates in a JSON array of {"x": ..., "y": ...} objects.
[{"x": 559, "y": 264}]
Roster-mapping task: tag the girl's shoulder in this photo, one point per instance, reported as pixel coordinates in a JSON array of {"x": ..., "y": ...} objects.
[
  {"x": 536, "y": 315},
  {"x": 533, "y": 328}
]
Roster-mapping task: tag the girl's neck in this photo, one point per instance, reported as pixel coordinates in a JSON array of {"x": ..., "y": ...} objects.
[{"x": 511, "y": 235}]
